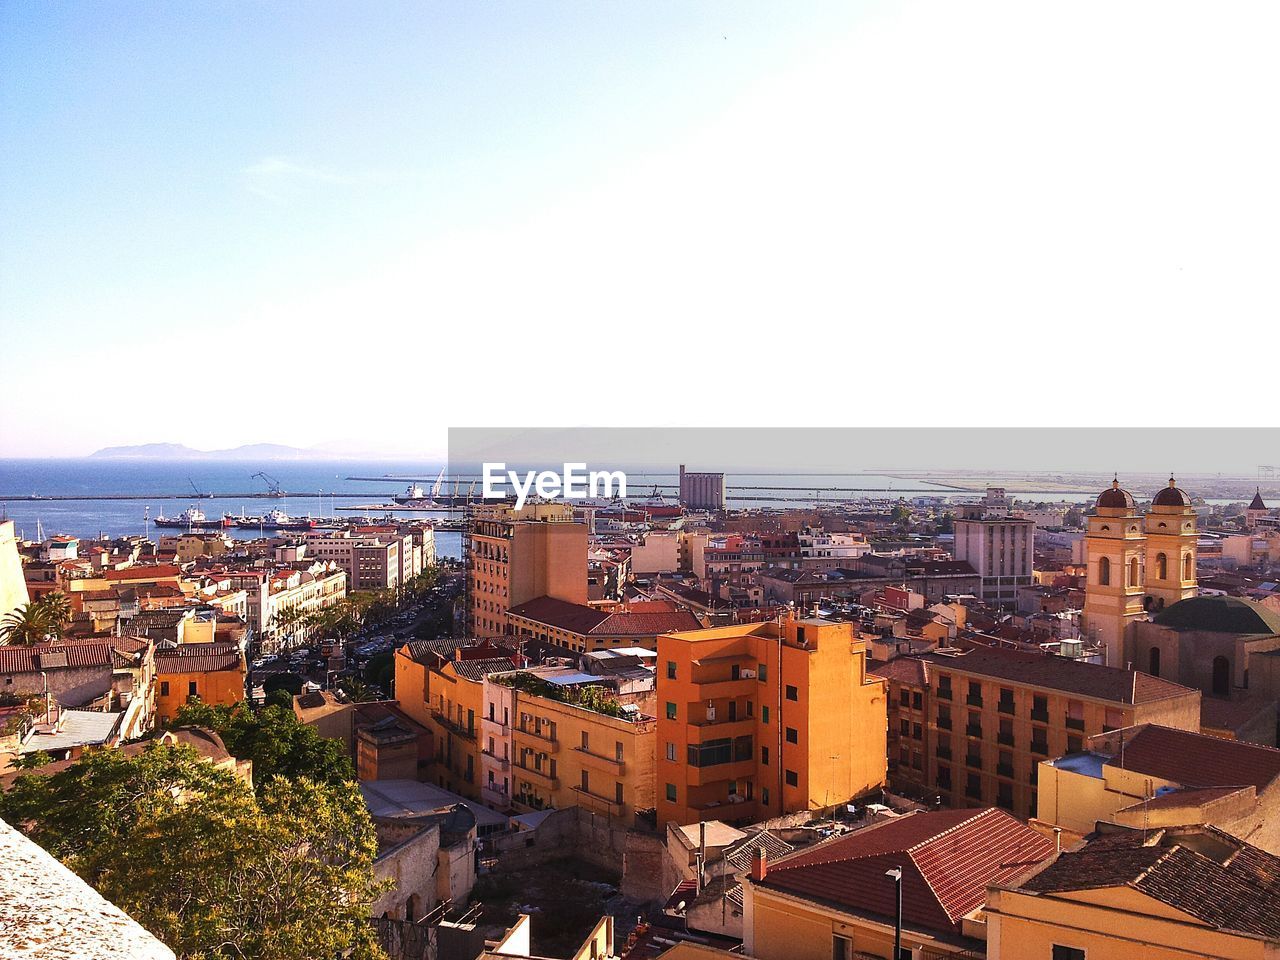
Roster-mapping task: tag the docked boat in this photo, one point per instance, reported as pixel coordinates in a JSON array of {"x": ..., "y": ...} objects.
[
  {"x": 192, "y": 518},
  {"x": 275, "y": 520}
]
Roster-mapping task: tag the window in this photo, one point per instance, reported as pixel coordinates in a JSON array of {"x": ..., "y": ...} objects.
[
  {"x": 671, "y": 751},
  {"x": 1005, "y": 704},
  {"x": 1075, "y": 714},
  {"x": 763, "y": 672},
  {"x": 764, "y": 713},
  {"x": 671, "y": 792},
  {"x": 792, "y": 779},
  {"x": 764, "y": 795},
  {"x": 1104, "y": 572},
  {"x": 1074, "y": 744},
  {"x": 671, "y": 669},
  {"x": 671, "y": 710},
  {"x": 164, "y": 688},
  {"x": 1133, "y": 571},
  {"x": 1067, "y": 953},
  {"x": 586, "y": 741},
  {"x": 904, "y": 697},
  {"x": 1040, "y": 708},
  {"x": 735, "y": 672},
  {"x": 617, "y": 751},
  {"x": 841, "y": 947},
  {"x": 975, "y": 694},
  {"x": 792, "y": 693},
  {"x": 1188, "y": 567},
  {"x": 1153, "y": 661},
  {"x": 1162, "y": 567},
  {"x": 792, "y": 735},
  {"x": 191, "y": 688}
]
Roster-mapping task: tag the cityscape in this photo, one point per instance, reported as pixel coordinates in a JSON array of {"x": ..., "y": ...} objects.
[{"x": 721, "y": 720}]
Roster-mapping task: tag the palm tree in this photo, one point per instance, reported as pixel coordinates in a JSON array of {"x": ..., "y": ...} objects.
[
  {"x": 29, "y": 624},
  {"x": 57, "y": 608}
]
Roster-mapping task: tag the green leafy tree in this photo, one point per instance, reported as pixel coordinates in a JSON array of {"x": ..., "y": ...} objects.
[
  {"x": 277, "y": 742},
  {"x": 202, "y": 863},
  {"x": 42, "y": 619}
]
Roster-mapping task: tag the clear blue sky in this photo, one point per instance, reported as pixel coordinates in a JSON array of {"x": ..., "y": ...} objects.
[{"x": 267, "y": 182}]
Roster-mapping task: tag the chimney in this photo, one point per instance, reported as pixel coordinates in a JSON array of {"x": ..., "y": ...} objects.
[
  {"x": 702, "y": 852},
  {"x": 1057, "y": 839},
  {"x": 759, "y": 864}
]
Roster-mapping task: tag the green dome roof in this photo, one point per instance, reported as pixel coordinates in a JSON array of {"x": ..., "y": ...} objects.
[{"x": 1220, "y": 615}]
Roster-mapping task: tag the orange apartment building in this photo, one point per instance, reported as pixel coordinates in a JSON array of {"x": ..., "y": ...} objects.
[
  {"x": 756, "y": 720},
  {"x": 972, "y": 727},
  {"x": 516, "y": 555},
  {"x": 213, "y": 672}
]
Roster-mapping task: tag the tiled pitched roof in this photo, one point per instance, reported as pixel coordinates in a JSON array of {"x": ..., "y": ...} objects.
[
  {"x": 1200, "y": 871},
  {"x": 909, "y": 670},
  {"x": 948, "y": 858},
  {"x": 157, "y": 572},
  {"x": 1197, "y": 760},
  {"x": 1059, "y": 673},
  {"x": 198, "y": 658},
  {"x": 52, "y": 656},
  {"x": 574, "y": 617},
  {"x": 739, "y": 855},
  {"x": 479, "y": 669},
  {"x": 580, "y": 618}
]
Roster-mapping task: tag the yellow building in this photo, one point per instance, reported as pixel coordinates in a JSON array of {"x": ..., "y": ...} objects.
[
  {"x": 213, "y": 672},
  {"x": 517, "y": 555},
  {"x": 1136, "y": 565},
  {"x": 755, "y": 720},
  {"x": 971, "y": 727},
  {"x": 554, "y": 738},
  {"x": 440, "y": 685},
  {"x": 1156, "y": 776},
  {"x": 1165, "y": 894},
  {"x": 835, "y": 901}
]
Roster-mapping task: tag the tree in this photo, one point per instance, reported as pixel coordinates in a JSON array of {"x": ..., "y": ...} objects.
[
  {"x": 277, "y": 742},
  {"x": 202, "y": 863},
  {"x": 36, "y": 622}
]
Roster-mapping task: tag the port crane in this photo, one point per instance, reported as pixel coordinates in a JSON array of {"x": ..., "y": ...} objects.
[
  {"x": 273, "y": 485},
  {"x": 198, "y": 492}
]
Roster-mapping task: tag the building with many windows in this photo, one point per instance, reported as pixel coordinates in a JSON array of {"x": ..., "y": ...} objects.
[
  {"x": 756, "y": 720},
  {"x": 514, "y": 555},
  {"x": 972, "y": 727},
  {"x": 1000, "y": 548}
]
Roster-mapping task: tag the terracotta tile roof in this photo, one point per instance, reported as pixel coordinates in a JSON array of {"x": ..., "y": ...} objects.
[
  {"x": 1201, "y": 871},
  {"x": 54, "y": 656},
  {"x": 156, "y": 572},
  {"x": 739, "y": 855},
  {"x": 909, "y": 670},
  {"x": 1059, "y": 673},
  {"x": 948, "y": 858},
  {"x": 1197, "y": 760},
  {"x": 479, "y": 669},
  {"x": 588, "y": 621},
  {"x": 198, "y": 658}
]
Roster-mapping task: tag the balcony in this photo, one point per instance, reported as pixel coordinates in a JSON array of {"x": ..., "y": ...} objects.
[
  {"x": 532, "y": 738},
  {"x": 541, "y": 778},
  {"x": 492, "y": 759},
  {"x": 593, "y": 801},
  {"x": 700, "y": 728},
  {"x": 719, "y": 772},
  {"x": 725, "y": 689},
  {"x": 598, "y": 761},
  {"x": 453, "y": 726},
  {"x": 1074, "y": 723}
]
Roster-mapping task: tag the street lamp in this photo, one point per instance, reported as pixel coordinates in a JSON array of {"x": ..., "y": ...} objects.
[{"x": 896, "y": 875}]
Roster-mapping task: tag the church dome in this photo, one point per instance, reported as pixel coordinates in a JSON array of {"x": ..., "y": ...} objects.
[
  {"x": 1220, "y": 615},
  {"x": 1115, "y": 498},
  {"x": 1171, "y": 496}
]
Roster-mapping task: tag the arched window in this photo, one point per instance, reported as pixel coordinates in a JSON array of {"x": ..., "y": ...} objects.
[
  {"x": 1221, "y": 677},
  {"x": 1133, "y": 571},
  {"x": 1153, "y": 662},
  {"x": 1188, "y": 567},
  {"x": 1104, "y": 571},
  {"x": 1162, "y": 567}
]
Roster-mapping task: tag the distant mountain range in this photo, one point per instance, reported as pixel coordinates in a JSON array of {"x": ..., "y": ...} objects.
[{"x": 248, "y": 451}]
